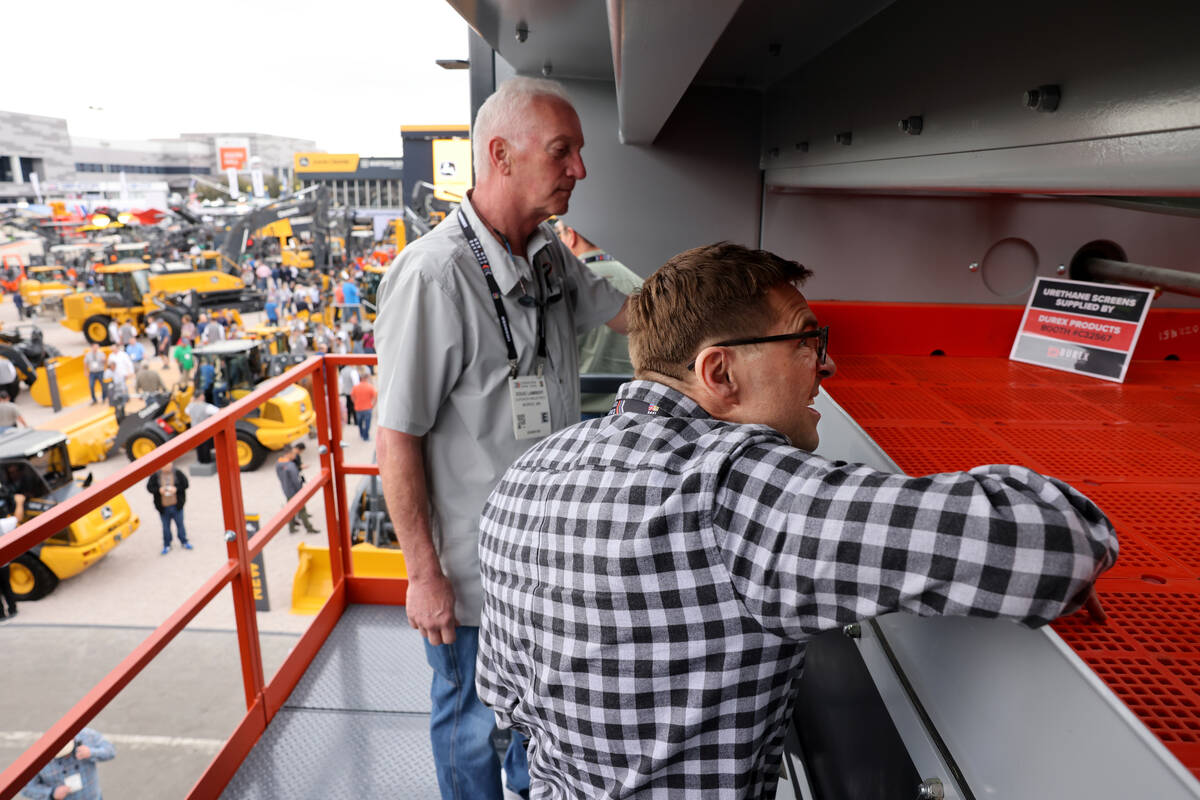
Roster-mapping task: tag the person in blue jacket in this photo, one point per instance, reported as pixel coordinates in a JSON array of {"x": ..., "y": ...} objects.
[
  {"x": 350, "y": 295},
  {"x": 72, "y": 773}
]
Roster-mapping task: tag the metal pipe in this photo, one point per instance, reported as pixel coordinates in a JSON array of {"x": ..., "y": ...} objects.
[{"x": 1167, "y": 280}]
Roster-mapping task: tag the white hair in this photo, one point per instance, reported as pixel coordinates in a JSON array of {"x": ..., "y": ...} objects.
[{"x": 503, "y": 112}]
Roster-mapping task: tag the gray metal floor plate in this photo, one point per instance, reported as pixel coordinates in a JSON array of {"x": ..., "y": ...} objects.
[
  {"x": 372, "y": 661},
  {"x": 357, "y": 723},
  {"x": 331, "y": 755}
]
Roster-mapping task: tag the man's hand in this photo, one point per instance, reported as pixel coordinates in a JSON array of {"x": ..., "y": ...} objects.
[
  {"x": 61, "y": 791},
  {"x": 430, "y": 607},
  {"x": 83, "y": 751}
]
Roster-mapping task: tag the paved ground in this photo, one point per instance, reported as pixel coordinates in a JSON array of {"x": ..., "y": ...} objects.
[{"x": 169, "y": 722}]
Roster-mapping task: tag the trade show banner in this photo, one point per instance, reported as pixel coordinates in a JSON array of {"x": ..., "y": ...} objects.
[
  {"x": 1088, "y": 328},
  {"x": 233, "y": 152},
  {"x": 451, "y": 169}
]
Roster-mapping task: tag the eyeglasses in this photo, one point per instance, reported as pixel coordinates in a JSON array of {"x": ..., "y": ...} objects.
[{"x": 820, "y": 334}]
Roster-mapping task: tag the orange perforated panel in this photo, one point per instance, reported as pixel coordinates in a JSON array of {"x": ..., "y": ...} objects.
[{"x": 1134, "y": 448}]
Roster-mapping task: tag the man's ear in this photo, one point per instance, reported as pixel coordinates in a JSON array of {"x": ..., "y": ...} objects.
[
  {"x": 716, "y": 376},
  {"x": 499, "y": 151}
]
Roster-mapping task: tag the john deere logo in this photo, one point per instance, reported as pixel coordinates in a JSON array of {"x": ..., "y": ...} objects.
[
  {"x": 105, "y": 512},
  {"x": 447, "y": 169}
]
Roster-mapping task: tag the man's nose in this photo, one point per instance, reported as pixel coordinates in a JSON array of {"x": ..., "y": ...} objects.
[
  {"x": 576, "y": 169},
  {"x": 827, "y": 369}
]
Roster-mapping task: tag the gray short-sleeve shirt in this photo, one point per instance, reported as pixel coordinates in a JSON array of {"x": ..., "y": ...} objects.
[{"x": 443, "y": 369}]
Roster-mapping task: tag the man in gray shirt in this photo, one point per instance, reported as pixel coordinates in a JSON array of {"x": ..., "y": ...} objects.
[
  {"x": 466, "y": 384},
  {"x": 9, "y": 415},
  {"x": 601, "y": 350},
  {"x": 287, "y": 469}
]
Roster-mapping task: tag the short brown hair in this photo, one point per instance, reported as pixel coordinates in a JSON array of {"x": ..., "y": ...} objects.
[{"x": 713, "y": 292}]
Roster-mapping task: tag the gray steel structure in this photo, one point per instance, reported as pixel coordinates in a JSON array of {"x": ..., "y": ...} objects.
[
  {"x": 31, "y": 143},
  {"x": 733, "y": 116},
  {"x": 914, "y": 151}
]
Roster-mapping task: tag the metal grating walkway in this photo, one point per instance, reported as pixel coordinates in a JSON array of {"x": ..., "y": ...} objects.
[
  {"x": 357, "y": 723},
  {"x": 1134, "y": 448}
]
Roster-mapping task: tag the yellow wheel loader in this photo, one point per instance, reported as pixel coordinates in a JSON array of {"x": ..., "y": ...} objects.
[
  {"x": 131, "y": 292},
  {"x": 225, "y": 372},
  {"x": 35, "y": 463},
  {"x": 374, "y": 550}
]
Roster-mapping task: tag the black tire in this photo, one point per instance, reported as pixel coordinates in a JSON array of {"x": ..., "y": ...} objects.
[
  {"x": 248, "y": 442},
  {"x": 146, "y": 439},
  {"x": 43, "y": 579},
  {"x": 25, "y": 370},
  {"x": 174, "y": 322},
  {"x": 90, "y": 331}
]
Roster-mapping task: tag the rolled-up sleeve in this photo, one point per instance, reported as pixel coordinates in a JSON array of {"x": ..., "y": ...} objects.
[
  {"x": 596, "y": 299},
  {"x": 419, "y": 339}
]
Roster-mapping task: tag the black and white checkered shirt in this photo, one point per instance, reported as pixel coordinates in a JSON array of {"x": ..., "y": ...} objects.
[{"x": 651, "y": 578}]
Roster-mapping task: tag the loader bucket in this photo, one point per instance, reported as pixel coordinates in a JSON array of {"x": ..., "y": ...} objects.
[
  {"x": 72, "y": 382},
  {"x": 90, "y": 432},
  {"x": 313, "y": 582}
]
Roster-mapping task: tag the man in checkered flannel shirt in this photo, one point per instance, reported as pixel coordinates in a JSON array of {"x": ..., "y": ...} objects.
[{"x": 651, "y": 578}]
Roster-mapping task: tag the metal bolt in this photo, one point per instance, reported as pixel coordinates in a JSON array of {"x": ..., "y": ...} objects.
[
  {"x": 912, "y": 125},
  {"x": 547, "y": 68},
  {"x": 845, "y": 137},
  {"x": 522, "y": 31},
  {"x": 230, "y": 536},
  {"x": 1062, "y": 269},
  {"x": 322, "y": 450},
  {"x": 1043, "y": 98},
  {"x": 973, "y": 266},
  {"x": 931, "y": 789},
  {"x": 852, "y": 631}
]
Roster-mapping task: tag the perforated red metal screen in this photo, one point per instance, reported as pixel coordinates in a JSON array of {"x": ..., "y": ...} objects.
[{"x": 1133, "y": 448}]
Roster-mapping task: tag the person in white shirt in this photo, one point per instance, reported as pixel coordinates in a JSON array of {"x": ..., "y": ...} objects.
[{"x": 122, "y": 366}]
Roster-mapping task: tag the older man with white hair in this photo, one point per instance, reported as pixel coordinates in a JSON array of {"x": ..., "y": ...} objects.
[{"x": 477, "y": 335}]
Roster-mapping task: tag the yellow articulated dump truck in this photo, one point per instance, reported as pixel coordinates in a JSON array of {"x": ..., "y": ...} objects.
[
  {"x": 35, "y": 463},
  {"x": 131, "y": 292}
]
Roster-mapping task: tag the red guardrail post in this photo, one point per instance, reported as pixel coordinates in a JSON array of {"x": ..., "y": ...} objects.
[
  {"x": 332, "y": 388},
  {"x": 328, "y": 422},
  {"x": 243, "y": 590}
]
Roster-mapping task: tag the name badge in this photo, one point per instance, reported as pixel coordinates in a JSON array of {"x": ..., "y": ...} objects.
[
  {"x": 530, "y": 406},
  {"x": 73, "y": 782}
]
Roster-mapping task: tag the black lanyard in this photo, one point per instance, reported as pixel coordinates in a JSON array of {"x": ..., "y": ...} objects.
[{"x": 494, "y": 288}]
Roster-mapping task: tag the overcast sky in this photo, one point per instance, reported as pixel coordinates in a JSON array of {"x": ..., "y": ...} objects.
[{"x": 347, "y": 74}]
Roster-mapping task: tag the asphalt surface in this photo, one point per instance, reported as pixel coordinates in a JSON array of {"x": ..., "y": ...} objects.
[{"x": 167, "y": 725}]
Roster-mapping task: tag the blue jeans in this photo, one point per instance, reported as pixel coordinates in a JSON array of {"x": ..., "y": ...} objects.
[
  {"x": 461, "y": 726},
  {"x": 93, "y": 379},
  {"x": 364, "y": 423},
  {"x": 166, "y": 515}
]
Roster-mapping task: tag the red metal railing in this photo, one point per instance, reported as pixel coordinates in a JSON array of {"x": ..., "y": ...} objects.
[{"x": 263, "y": 699}]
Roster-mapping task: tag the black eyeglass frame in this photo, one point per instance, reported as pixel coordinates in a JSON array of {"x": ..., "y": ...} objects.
[{"x": 822, "y": 335}]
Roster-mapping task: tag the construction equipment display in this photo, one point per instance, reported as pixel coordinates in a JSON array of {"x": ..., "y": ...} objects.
[
  {"x": 237, "y": 366},
  {"x": 35, "y": 463},
  {"x": 131, "y": 292}
]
